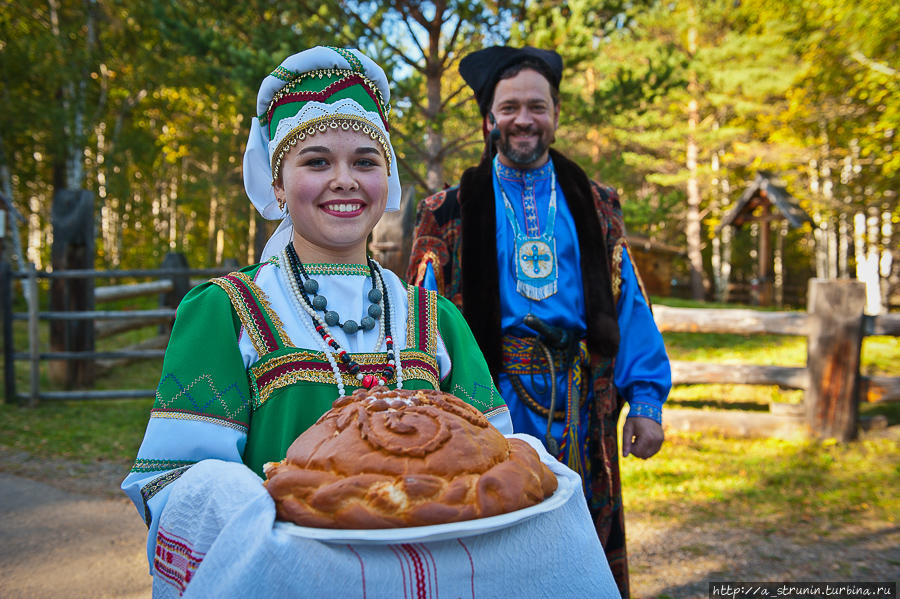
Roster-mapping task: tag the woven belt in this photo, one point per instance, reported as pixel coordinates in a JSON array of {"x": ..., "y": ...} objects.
[{"x": 526, "y": 356}]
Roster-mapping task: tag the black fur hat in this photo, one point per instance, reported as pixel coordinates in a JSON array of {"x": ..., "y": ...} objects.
[{"x": 481, "y": 69}]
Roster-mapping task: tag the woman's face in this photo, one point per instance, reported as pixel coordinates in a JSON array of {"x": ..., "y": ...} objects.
[{"x": 335, "y": 184}]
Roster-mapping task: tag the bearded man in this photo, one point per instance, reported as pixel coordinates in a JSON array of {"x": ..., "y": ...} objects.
[{"x": 534, "y": 254}]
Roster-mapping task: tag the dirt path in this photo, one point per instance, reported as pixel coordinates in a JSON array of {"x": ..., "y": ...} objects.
[
  {"x": 679, "y": 561},
  {"x": 59, "y": 543},
  {"x": 78, "y": 537}
]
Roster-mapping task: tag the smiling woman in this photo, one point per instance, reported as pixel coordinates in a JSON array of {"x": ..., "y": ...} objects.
[
  {"x": 257, "y": 356},
  {"x": 335, "y": 187}
]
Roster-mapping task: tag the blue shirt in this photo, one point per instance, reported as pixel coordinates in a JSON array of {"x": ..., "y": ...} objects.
[{"x": 642, "y": 373}]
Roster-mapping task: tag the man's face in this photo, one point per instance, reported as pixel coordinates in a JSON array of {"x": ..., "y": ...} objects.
[{"x": 527, "y": 118}]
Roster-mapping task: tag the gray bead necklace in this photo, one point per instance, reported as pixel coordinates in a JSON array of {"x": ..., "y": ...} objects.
[{"x": 310, "y": 287}]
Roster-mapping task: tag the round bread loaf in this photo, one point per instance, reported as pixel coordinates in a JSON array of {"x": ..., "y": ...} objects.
[{"x": 385, "y": 458}]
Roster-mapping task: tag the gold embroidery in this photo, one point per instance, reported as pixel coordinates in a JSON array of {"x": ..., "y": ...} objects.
[
  {"x": 237, "y": 302},
  {"x": 622, "y": 245},
  {"x": 263, "y": 302},
  {"x": 494, "y": 411},
  {"x": 637, "y": 276},
  {"x": 198, "y": 418},
  {"x": 616, "y": 273},
  {"x": 416, "y": 372},
  {"x": 243, "y": 311},
  {"x": 411, "y": 331},
  {"x": 313, "y": 375},
  {"x": 437, "y": 269},
  {"x": 431, "y": 322},
  {"x": 260, "y": 369}
]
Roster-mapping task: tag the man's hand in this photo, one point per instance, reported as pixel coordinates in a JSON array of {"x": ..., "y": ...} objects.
[{"x": 641, "y": 436}]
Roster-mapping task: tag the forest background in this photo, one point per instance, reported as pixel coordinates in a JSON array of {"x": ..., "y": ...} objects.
[{"x": 678, "y": 104}]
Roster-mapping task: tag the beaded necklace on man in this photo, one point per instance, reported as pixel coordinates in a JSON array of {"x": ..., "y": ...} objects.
[
  {"x": 535, "y": 253},
  {"x": 302, "y": 285}
]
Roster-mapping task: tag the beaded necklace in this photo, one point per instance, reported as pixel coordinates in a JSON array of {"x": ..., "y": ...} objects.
[
  {"x": 301, "y": 285},
  {"x": 309, "y": 324}
]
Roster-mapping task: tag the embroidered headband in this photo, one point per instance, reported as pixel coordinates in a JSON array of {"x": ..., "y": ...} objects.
[{"x": 310, "y": 92}]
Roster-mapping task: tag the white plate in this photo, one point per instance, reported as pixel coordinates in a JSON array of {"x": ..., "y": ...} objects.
[{"x": 567, "y": 482}]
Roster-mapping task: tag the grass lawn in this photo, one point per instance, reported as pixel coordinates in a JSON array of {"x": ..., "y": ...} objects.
[{"x": 767, "y": 484}]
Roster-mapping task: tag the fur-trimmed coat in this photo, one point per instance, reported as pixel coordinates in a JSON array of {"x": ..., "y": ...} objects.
[{"x": 456, "y": 232}]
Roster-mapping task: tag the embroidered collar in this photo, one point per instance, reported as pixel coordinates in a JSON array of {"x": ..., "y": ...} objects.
[
  {"x": 322, "y": 268},
  {"x": 508, "y": 172}
]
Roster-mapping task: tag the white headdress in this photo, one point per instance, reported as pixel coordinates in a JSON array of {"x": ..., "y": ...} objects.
[{"x": 309, "y": 92}]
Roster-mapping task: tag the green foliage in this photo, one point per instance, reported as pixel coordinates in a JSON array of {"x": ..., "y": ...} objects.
[{"x": 154, "y": 99}]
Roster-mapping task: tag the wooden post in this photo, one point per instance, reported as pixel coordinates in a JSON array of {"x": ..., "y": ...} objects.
[
  {"x": 33, "y": 334},
  {"x": 764, "y": 259},
  {"x": 9, "y": 373},
  {"x": 181, "y": 284},
  {"x": 833, "y": 349},
  {"x": 392, "y": 237},
  {"x": 72, "y": 215}
]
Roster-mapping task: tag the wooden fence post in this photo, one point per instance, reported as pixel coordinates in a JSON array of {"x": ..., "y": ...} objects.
[
  {"x": 833, "y": 349},
  {"x": 392, "y": 237},
  {"x": 181, "y": 284},
  {"x": 33, "y": 334},
  {"x": 9, "y": 372},
  {"x": 72, "y": 215}
]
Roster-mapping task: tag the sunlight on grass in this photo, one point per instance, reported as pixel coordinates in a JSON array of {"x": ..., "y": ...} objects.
[
  {"x": 86, "y": 430},
  {"x": 766, "y": 481},
  {"x": 744, "y": 397},
  {"x": 880, "y": 355},
  {"x": 773, "y": 350}
]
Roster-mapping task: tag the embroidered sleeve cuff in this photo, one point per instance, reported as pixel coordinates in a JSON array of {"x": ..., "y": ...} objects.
[{"x": 645, "y": 410}]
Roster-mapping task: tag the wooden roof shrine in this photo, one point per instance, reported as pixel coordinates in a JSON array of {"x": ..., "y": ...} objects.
[
  {"x": 766, "y": 191},
  {"x": 765, "y": 201}
]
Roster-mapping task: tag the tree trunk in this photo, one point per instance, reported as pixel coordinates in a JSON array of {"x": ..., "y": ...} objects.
[
  {"x": 843, "y": 246},
  {"x": 12, "y": 218},
  {"x": 727, "y": 236},
  {"x": 764, "y": 257},
  {"x": 886, "y": 261},
  {"x": 716, "y": 263},
  {"x": 819, "y": 248},
  {"x": 873, "y": 255},
  {"x": 778, "y": 263},
  {"x": 692, "y": 229},
  {"x": 212, "y": 254},
  {"x": 434, "y": 138},
  {"x": 73, "y": 248},
  {"x": 716, "y": 255},
  {"x": 832, "y": 250}
]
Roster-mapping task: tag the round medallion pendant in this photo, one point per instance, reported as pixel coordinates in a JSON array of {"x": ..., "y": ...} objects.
[{"x": 535, "y": 259}]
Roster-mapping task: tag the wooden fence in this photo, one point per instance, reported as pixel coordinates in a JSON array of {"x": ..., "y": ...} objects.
[
  {"x": 834, "y": 326},
  {"x": 170, "y": 283}
]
